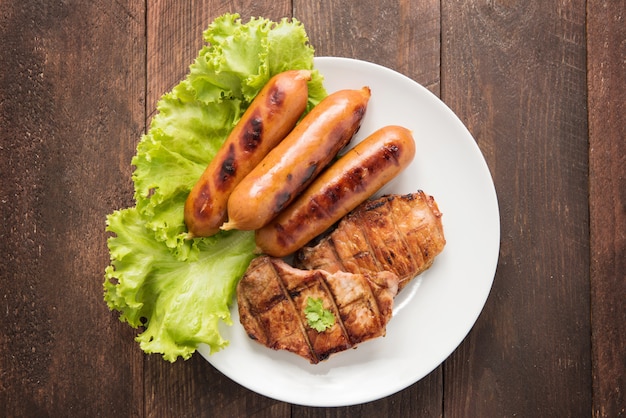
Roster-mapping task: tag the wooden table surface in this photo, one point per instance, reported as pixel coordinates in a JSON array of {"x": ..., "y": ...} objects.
[{"x": 541, "y": 85}]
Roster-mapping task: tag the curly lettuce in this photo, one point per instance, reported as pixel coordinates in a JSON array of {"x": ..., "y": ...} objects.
[{"x": 175, "y": 289}]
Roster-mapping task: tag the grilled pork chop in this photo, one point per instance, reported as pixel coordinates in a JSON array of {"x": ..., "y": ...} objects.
[
  {"x": 397, "y": 233},
  {"x": 272, "y": 296}
]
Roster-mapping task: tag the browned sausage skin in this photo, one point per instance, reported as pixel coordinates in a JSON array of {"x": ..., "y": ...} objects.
[
  {"x": 290, "y": 167},
  {"x": 355, "y": 177},
  {"x": 271, "y": 116}
]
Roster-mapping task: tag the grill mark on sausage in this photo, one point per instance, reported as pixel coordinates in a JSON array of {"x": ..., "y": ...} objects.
[
  {"x": 309, "y": 173},
  {"x": 284, "y": 198},
  {"x": 343, "y": 132},
  {"x": 275, "y": 97},
  {"x": 202, "y": 206},
  {"x": 281, "y": 201},
  {"x": 252, "y": 133},
  {"x": 354, "y": 180},
  {"x": 313, "y": 213},
  {"x": 228, "y": 169}
]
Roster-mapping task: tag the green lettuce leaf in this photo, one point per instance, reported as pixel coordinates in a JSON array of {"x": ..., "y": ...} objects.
[
  {"x": 177, "y": 290},
  {"x": 179, "y": 303}
]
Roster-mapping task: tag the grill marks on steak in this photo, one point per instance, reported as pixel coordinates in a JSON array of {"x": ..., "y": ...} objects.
[
  {"x": 272, "y": 297},
  {"x": 397, "y": 233},
  {"x": 356, "y": 271}
]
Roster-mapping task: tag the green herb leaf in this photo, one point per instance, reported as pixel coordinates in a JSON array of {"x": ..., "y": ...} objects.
[{"x": 319, "y": 318}]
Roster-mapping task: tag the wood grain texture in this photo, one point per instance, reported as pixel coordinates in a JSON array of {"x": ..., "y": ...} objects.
[
  {"x": 67, "y": 139},
  {"x": 402, "y": 35},
  {"x": 606, "y": 63},
  {"x": 515, "y": 74},
  {"x": 195, "y": 389}
]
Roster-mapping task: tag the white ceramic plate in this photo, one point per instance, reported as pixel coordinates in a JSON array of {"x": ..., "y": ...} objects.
[{"x": 435, "y": 312}]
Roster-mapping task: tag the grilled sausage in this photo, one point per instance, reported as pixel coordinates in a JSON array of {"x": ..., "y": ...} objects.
[
  {"x": 297, "y": 160},
  {"x": 271, "y": 116},
  {"x": 343, "y": 186}
]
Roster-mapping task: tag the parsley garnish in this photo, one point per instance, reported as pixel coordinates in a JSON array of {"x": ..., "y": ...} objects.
[{"x": 319, "y": 318}]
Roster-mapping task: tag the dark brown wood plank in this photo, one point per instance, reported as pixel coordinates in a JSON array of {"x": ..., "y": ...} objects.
[
  {"x": 71, "y": 110},
  {"x": 403, "y": 36},
  {"x": 194, "y": 388},
  {"x": 515, "y": 74},
  {"x": 606, "y": 66}
]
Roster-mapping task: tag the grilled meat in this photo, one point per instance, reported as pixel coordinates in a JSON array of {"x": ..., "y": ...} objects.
[
  {"x": 272, "y": 296},
  {"x": 397, "y": 233}
]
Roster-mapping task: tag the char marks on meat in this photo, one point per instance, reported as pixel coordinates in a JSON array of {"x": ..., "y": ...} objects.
[
  {"x": 397, "y": 233},
  {"x": 272, "y": 296}
]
